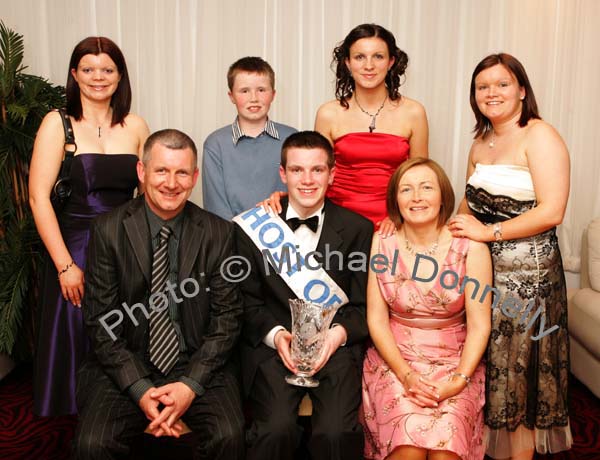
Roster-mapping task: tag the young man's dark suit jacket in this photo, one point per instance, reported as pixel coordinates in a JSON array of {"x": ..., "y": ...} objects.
[
  {"x": 119, "y": 269},
  {"x": 266, "y": 304}
]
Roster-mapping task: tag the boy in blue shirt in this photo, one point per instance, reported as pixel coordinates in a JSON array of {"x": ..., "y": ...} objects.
[{"x": 240, "y": 163}]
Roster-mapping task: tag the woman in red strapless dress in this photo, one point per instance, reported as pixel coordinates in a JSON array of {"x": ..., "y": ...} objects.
[
  {"x": 364, "y": 163},
  {"x": 372, "y": 127}
]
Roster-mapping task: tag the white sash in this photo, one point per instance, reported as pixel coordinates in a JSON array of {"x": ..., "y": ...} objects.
[{"x": 278, "y": 245}]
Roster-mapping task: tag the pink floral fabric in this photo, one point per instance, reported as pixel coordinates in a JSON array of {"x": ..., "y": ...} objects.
[{"x": 389, "y": 419}]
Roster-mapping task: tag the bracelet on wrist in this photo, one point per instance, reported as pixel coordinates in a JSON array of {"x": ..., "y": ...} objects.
[
  {"x": 498, "y": 231},
  {"x": 64, "y": 270},
  {"x": 466, "y": 378}
]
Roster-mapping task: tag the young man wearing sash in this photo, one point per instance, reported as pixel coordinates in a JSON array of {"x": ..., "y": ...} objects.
[{"x": 284, "y": 253}]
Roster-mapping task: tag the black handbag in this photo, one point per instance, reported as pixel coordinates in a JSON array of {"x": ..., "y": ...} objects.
[{"x": 62, "y": 188}]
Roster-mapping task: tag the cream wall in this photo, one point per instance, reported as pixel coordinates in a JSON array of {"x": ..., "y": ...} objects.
[{"x": 178, "y": 53}]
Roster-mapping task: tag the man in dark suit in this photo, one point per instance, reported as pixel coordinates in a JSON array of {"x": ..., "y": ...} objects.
[
  {"x": 161, "y": 318},
  {"x": 307, "y": 168}
]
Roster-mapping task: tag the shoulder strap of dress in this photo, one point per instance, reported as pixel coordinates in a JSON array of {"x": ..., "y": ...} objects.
[
  {"x": 70, "y": 146},
  {"x": 68, "y": 127}
]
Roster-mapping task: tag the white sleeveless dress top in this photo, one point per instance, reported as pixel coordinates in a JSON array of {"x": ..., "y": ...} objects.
[{"x": 501, "y": 179}]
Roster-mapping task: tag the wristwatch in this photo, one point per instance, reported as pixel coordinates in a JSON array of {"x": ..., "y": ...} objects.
[{"x": 498, "y": 231}]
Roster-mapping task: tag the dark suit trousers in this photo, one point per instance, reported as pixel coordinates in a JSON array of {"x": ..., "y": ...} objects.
[
  {"x": 336, "y": 433},
  {"x": 109, "y": 418}
]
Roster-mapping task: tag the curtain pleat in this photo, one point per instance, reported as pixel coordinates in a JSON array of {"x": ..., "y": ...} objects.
[{"x": 178, "y": 53}]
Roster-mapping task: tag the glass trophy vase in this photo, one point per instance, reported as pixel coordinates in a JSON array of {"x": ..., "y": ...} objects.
[{"x": 310, "y": 322}]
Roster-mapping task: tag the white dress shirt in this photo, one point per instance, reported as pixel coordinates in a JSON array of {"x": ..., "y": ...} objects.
[{"x": 307, "y": 240}]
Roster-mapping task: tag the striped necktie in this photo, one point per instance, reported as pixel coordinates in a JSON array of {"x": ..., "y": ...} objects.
[{"x": 164, "y": 344}]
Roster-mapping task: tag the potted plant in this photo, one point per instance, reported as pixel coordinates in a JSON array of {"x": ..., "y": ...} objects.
[{"x": 24, "y": 100}]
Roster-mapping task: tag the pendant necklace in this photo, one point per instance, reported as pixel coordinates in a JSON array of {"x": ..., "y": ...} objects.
[
  {"x": 100, "y": 126},
  {"x": 100, "y": 130},
  {"x": 428, "y": 252},
  {"x": 373, "y": 117}
]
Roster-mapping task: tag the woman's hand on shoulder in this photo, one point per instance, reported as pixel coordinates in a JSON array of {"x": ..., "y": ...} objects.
[
  {"x": 467, "y": 226},
  {"x": 273, "y": 203},
  {"x": 386, "y": 227}
]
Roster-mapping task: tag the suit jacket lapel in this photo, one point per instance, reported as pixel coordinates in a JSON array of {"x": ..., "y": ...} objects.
[
  {"x": 284, "y": 205},
  {"x": 138, "y": 233},
  {"x": 332, "y": 226},
  {"x": 191, "y": 238}
]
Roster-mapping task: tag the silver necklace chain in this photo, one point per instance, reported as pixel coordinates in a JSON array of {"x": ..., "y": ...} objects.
[
  {"x": 428, "y": 252},
  {"x": 373, "y": 117},
  {"x": 492, "y": 142}
]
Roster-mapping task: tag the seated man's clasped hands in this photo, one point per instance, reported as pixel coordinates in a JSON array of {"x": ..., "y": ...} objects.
[
  {"x": 161, "y": 317},
  {"x": 174, "y": 399}
]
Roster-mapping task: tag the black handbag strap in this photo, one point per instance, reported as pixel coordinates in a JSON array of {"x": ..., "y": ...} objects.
[{"x": 70, "y": 146}]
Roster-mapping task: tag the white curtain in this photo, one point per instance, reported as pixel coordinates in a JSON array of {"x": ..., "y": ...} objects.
[{"x": 178, "y": 52}]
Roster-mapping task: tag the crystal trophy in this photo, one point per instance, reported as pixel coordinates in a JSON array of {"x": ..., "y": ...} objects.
[{"x": 310, "y": 322}]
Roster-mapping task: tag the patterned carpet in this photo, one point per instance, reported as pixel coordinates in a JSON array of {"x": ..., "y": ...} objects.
[{"x": 23, "y": 436}]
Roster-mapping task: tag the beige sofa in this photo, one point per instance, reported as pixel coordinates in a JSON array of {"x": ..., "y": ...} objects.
[{"x": 584, "y": 313}]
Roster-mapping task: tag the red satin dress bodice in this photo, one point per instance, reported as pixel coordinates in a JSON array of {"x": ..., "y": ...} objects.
[{"x": 364, "y": 163}]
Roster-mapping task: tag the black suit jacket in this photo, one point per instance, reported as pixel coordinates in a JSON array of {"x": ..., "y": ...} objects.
[
  {"x": 119, "y": 271},
  {"x": 266, "y": 295}
]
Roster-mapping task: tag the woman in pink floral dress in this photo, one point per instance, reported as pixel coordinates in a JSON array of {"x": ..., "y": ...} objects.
[{"x": 429, "y": 319}]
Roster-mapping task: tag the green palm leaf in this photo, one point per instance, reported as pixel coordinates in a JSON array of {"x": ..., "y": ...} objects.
[
  {"x": 11, "y": 56},
  {"x": 24, "y": 100}
]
